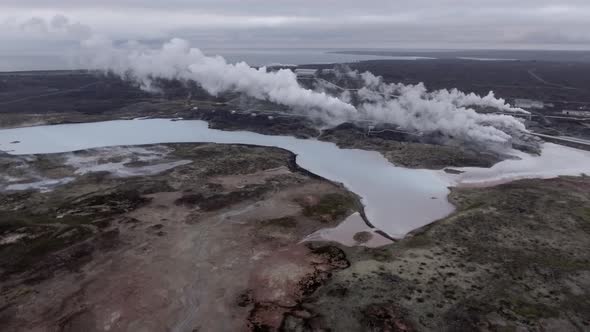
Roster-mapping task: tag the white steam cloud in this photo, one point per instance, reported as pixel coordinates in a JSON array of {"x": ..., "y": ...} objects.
[
  {"x": 413, "y": 107},
  {"x": 456, "y": 97},
  {"x": 407, "y": 106},
  {"x": 177, "y": 60}
]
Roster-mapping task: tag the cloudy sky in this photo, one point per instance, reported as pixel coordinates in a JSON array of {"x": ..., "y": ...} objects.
[{"x": 545, "y": 24}]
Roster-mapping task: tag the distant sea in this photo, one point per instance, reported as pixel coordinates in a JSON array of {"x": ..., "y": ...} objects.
[
  {"x": 266, "y": 57},
  {"x": 483, "y": 55},
  {"x": 254, "y": 57},
  {"x": 300, "y": 56}
]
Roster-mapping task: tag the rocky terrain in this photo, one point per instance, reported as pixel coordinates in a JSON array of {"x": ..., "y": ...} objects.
[
  {"x": 168, "y": 237},
  {"x": 208, "y": 237},
  {"x": 511, "y": 258}
]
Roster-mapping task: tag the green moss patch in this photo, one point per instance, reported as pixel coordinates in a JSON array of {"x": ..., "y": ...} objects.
[
  {"x": 220, "y": 201},
  {"x": 40, "y": 243},
  {"x": 330, "y": 207},
  {"x": 285, "y": 222},
  {"x": 418, "y": 241},
  {"x": 532, "y": 310},
  {"x": 583, "y": 216}
]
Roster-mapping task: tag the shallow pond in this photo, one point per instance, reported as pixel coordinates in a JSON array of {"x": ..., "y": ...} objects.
[{"x": 397, "y": 200}]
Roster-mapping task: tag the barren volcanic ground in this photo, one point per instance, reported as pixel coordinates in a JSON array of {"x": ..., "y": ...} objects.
[
  {"x": 208, "y": 237},
  {"x": 212, "y": 244}
]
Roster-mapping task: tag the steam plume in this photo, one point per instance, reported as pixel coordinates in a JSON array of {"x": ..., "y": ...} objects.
[
  {"x": 177, "y": 60},
  {"x": 407, "y": 106},
  {"x": 413, "y": 107},
  {"x": 454, "y": 96}
]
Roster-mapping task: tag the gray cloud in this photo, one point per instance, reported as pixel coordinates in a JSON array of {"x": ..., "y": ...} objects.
[{"x": 330, "y": 23}]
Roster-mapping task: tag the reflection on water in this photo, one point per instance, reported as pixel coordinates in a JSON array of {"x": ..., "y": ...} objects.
[
  {"x": 254, "y": 57},
  {"x": 352, "y": 232}
]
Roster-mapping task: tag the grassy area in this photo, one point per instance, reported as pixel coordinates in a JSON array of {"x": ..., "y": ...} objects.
[
  {"x": 329, "y": 207},
  {"x": 512, "y": 257}
]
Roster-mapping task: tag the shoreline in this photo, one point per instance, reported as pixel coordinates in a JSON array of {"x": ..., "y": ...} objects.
[{"x": 527, "y": 167}]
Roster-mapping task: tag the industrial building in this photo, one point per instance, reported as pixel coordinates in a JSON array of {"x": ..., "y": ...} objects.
[
  {"x": 303, "y": 72},
  {"x": 576, "y": 113},
  {"x": 528, "y": 103}
]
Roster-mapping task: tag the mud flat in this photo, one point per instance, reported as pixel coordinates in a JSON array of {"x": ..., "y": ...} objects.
[{"x": 554, "y": 161}]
